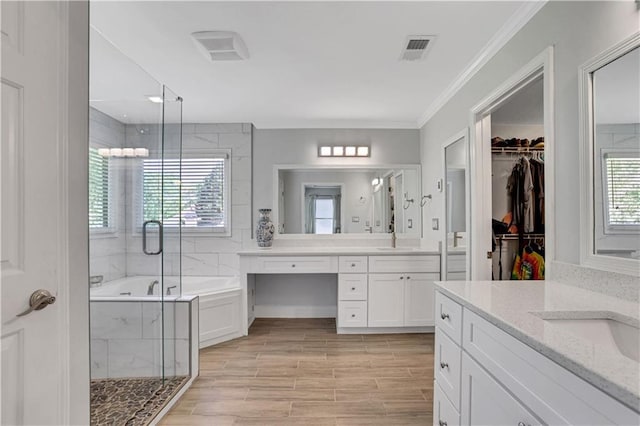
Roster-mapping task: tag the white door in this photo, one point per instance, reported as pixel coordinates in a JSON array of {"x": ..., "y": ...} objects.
[
  {"x": 481, "y": 203},
  {"x": 35, "y": 218},
  {"x": 485, "y": 402},
  {"x": 386, "y": 300},
  {"x": 419, "y": 299}
]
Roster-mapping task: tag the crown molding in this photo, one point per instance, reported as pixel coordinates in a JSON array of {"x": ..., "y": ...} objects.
[
  {"x": 333, "y": 124},
  {"x": 497, "y": 42}
]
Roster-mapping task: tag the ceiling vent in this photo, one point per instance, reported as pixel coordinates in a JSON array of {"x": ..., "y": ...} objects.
[
  {"x": 416, "y": 47},
  {"x": 221, "y": 45}
]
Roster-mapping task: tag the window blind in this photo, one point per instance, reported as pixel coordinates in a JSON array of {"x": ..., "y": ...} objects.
[
  {"x": 99, "y": 194},
  {"x": 623, "y": 189},
  {"x": 190, "y": 191}
]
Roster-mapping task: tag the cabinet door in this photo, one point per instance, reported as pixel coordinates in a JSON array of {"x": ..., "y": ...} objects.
[
  {"x": 419, "y": 295},
  {"x": 386, "y": 300},
  {"x": 486, "y": 402}
]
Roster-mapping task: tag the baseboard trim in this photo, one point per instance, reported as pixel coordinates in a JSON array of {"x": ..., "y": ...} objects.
[
  {"x": 278, "y": 311},
  {"x": 385, "y": 330}
]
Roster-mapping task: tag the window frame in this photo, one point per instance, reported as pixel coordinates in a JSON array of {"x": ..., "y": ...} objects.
[
  {"x": 112, "y": 228},
  {"x": 192, "y": 231},
  {"x": 608, "y": 228}
]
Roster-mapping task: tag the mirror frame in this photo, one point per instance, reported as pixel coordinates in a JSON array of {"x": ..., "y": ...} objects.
[
  {"x": 382, "y": 236},
  {"x": 588, "y": 257},
  {"x": 464, "y": 136}
]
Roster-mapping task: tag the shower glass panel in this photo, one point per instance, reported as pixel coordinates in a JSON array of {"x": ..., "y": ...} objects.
[
  {"x": 175, "y": 350},
  {"x": 135, "y": 141}
]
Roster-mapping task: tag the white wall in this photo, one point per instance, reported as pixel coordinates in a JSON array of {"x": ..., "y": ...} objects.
[
  {"x": 300, "y": 146},
  {"x": 578, "y": 31}
]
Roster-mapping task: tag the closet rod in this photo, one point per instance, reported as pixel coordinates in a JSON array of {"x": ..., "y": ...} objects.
[{"x": 516, "y": 237}]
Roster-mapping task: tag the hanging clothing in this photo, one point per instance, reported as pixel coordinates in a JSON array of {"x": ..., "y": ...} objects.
[{"x": 529, "y": 265}]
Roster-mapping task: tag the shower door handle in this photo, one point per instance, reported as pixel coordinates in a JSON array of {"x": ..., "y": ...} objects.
[{"x": 144, "y": 237}]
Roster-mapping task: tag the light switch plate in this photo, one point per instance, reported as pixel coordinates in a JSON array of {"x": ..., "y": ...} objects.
[{"x": 435, "y": 223}]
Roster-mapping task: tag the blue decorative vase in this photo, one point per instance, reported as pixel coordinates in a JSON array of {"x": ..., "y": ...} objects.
[{"x": 265, "y": 229}]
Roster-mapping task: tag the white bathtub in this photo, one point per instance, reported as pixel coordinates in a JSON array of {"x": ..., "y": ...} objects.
[{"x": 220, "y": 301}]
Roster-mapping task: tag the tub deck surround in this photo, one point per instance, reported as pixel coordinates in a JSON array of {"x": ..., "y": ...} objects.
[{"x": 518, "y": 308}]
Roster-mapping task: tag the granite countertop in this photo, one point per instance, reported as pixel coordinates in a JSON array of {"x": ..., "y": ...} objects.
[
  {"x": 516, "y": 306},
  {"x": 334, "y": 251}
]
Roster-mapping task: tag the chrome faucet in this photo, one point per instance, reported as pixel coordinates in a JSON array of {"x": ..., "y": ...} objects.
[
  {"x": 169, "y": 289},
  {"x": 150, "y": 289},
  {"x": 95, "y": 280}
]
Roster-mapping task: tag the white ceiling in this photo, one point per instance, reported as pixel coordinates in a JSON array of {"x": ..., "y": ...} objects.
[{"x": 311, "y": 64}]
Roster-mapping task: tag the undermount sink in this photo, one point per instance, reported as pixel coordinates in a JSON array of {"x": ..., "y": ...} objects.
[{"x": 604, "y": 332}]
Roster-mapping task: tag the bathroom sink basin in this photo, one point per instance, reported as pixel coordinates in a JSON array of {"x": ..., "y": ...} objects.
[{"x": 605, "y": 332}]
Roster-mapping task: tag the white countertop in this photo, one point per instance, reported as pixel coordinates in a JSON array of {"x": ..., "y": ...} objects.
[
  {"x": 334, "y": 251},
  {"x": 508, "y": 305}
]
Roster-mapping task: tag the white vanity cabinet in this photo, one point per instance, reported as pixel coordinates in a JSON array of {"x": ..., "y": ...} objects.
[
  {"x": 484, "y": 375},
  {"x": 401, "y": 290}
]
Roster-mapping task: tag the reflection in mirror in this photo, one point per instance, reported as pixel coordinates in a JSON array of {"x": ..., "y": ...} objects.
[
  {"x": 348, "y": 200},
  {"x": 456, "y": 208},
  {"x": 616, "y": 157}
]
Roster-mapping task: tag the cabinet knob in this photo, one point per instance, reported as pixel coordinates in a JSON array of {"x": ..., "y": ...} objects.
[
  {"x": 444, "y": 316},
  {"x": 408, "y": 278},
  {"x": 353, "y": 265},
  {"x": 353, "y": 315},
  {"x": 353, "y": 289},
  {"x": 444, "y": 365},
  {"x": 402, "y": 278},
  {"x": 442, "y": 423},
  {"x": 293, "y": 266}
]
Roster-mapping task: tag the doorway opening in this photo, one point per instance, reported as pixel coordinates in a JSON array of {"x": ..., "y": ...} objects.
[{"x": 512, "y": 163}]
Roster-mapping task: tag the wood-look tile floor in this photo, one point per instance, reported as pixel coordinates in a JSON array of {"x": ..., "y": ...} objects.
[{"x": 300, "y": 372}]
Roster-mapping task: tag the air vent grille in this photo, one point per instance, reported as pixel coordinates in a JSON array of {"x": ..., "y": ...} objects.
[
  {"x": 415, "y": 47},
  {"x": 417, "y": 44},
  {"x": 221, "y": 45}
]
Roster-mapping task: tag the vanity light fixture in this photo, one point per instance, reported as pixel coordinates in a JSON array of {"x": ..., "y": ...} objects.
[
  {"x": 123, "y": 152},
  {"x": 343, "y": 151},
  {"x": 155, "y": 99},
  {"x": 376, "y": 182}
]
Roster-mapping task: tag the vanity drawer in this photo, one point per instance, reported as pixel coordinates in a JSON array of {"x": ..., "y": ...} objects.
[
  {"x": 449, "y": 317},
  {"x": 404, "y": 264},
  {"x": 352, "y": 286},
  {"x": 444, "y": 413},
  {"x": 352, "y": 314},
  {"x": 352, "y": 264},
  {"x": 296, "y": 264},
  {"x": 447, "y": 359}
]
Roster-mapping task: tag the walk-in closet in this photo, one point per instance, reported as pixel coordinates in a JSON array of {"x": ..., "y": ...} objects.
[{"x": 518, "y": 186}]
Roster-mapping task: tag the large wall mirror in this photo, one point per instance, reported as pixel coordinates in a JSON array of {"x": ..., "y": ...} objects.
[
  {"x": 347, "y": 200},
  {"x": 611, "y": 158}
]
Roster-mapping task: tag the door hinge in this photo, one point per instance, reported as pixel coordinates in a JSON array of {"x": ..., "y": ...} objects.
[{"x": 489, "y": 255}]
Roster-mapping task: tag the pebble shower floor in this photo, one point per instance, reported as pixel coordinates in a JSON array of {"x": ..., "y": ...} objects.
[{"x": 131, "y": 401}]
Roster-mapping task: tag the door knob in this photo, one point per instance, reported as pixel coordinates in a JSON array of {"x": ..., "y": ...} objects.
[{"x": 40, "y": 299}]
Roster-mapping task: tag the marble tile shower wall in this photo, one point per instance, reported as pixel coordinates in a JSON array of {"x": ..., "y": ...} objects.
[
  {"x": 119, "y": 253},
  {"x": 127, "y": 339},
  {"x": 108, "y": 250},
  {"x": 202, "y": 254}
]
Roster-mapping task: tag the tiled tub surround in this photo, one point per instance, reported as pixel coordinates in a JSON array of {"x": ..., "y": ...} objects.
[
  {"x": 515, "y": 309},
  {"x": 119, "y": 253},
  {"x": 127, "y": 337}
]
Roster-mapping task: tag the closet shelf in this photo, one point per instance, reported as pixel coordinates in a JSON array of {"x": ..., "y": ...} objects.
[
  {"x": 515, "y": 236},
  {"x": 516, "y": 149}
]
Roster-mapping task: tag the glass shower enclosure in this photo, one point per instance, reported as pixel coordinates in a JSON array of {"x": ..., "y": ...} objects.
[{"x": 135, "y": 148}]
